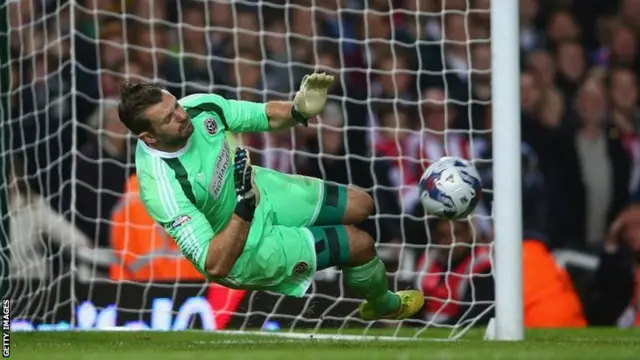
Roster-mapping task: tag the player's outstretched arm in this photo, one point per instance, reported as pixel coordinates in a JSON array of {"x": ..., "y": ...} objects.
[
  {"x": 227, "y": 246},
  {"x": 308, "y": 102},
  {"x": 247, "y": 116}
]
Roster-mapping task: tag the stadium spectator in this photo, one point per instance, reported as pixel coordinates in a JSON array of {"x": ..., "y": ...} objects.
[
  {"x": 625, "y": 114},
  {"x": 45, "y": 131},
  {"x": 144, "y": 251},
  {"x": 572, "y": 69},
  {"x": 38, "y": 234},
  {"x": 393, "y": 81},
  {"x": 150, "y": 51},
  {"x": 531, "y": 37},
  {"x": 461, "y": 290},
  {"x": 247, "y": 82},
  {"x": 543, "y": 65},
  {"x": 552, "y": 110},
  {"x": 447, "y": 64},
  {"x": 129, "y": 71},
  {"x": 277, "y": 57},
  {"x": 623, "y": 89},
  {"x": 480, "y": 89},
  {"x": 103, "y": 163},
  {"x": 621, "y": 49},
  {"x": 149, "y": 10},
  {"x": 247, "y": 39},
  {"x": 301, "y": 35},
  {"x": 220, "y": 19},
  {"x": 630, "y": 14},
  {"x": 595, "y": 168},
  {"x": 112, "y": 53},
  {"x": 562, "y": 27},
  {"x": 335, "y": 23},
  {"x": 193, "y": 51},
  {"x": 396, "y": 128},
  {"x": 480, "y": 18},
  {"x": 375, "y": 27},
  {"x": 614, "y": 297},
  {"x": 101, "y": 12}
]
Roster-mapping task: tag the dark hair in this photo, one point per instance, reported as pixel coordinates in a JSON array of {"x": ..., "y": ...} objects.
[
  {"x": 191, "y": 5},
  {"x": 134, "y": 100}
]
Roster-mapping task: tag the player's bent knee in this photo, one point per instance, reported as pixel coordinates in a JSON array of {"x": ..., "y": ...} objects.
[
  {"x": 362, "y": 247},
  {"x": 342, "y": 245},
  {"x": 359, "y": 206}
]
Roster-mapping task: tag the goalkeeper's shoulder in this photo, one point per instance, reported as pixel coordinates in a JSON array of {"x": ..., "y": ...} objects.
[
  {"x": 199, "y": 99},
  {"x": 158, "y": 188}
]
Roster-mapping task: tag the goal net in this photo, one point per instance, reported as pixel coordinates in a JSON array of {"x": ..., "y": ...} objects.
[{"x": 413, "y": 84}]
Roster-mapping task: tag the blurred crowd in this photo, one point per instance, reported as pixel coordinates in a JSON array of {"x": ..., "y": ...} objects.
[{"x": 414, "y": 84}]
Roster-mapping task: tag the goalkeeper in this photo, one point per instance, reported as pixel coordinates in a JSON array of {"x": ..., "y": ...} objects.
[{"x": 244, "y": 226}]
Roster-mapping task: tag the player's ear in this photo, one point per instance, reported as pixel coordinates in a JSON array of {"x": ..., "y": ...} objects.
[{"x": 147, "y": 138}]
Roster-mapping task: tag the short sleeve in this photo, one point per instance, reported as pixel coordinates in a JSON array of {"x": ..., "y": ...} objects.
[
  {"x": 167, "y": 204},
  {"x": 235, "y": 115}
]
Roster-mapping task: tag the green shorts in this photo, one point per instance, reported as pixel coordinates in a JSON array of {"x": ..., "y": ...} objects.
[{"x": 291, "y": 227}]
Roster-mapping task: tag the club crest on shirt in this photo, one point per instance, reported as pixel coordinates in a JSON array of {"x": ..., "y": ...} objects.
[
  {"x": 300, "y": 268},
  {"x": 211, "y": 126}
]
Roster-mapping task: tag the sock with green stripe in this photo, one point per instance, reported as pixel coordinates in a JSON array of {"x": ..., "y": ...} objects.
[{"x": 370, "y": 282}]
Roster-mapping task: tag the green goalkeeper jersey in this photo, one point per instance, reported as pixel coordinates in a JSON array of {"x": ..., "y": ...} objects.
[{"x": 191, "y": 192}]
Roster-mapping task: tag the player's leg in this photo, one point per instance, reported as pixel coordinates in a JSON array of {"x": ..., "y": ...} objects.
[
  {"x": 305, "y": 201},
  {"x": 342, "y": 204},
  {"x": 354, "y": 251}
]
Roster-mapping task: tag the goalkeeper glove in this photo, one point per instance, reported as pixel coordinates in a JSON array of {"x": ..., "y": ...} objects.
[
  {"x": 311, "y": 98},
  {"x": 246, "y": 192}
]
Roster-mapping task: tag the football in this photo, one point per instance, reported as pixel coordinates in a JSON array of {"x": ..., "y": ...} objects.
[{"x": 450, "y": 188}]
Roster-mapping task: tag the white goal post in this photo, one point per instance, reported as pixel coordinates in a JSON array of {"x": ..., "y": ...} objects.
[
  {"x": 76, "y": 265},
  {"x": 509, "y": 324}
]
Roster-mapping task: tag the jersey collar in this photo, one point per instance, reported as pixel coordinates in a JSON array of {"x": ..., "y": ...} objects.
[{"x": 164, "y": 154}]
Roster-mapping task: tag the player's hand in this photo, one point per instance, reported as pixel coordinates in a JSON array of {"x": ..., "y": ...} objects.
[
  {"x": 312, "y": 96},
  {"x": 243, "y": 176}
]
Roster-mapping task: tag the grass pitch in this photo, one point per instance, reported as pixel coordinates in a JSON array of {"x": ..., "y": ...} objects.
[{"x": 539, "y": 344}]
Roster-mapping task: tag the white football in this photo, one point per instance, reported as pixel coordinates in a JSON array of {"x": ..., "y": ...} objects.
[{"x": 450, "y": 188}]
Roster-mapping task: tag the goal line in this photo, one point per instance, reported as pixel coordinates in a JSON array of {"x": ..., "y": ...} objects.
[
  {"x": 315, "y": 336},
  {"x": 290, "y": 335}
]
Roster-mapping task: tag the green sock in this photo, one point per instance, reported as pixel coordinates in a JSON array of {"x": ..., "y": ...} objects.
[{"x": 370, "y": 282}]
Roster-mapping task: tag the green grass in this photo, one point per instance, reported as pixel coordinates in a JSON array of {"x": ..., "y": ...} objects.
[{"x": 539, "y": 344}]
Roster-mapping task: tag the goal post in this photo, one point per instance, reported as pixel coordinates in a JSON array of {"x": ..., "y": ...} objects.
[{"x": 505, "y": 90}]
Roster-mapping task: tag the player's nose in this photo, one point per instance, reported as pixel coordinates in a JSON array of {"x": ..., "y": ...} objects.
[{"x": 182, "y": 115}]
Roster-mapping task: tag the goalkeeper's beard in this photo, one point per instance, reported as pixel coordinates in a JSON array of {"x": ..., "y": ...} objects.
[{"x": 178, "y": 140}]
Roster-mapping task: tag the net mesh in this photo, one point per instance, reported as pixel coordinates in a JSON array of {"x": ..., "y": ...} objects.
[{"x": 413, "y": 85}]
